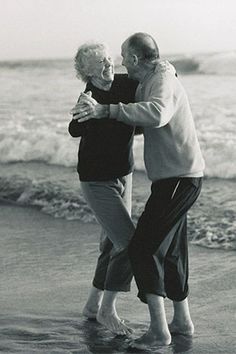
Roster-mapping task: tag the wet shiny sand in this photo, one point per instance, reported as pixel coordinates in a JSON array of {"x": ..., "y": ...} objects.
[{"x": 46, "y": 269}]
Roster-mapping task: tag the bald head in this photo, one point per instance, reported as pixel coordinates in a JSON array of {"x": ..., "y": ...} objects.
[{"x": 144, "y": 46}]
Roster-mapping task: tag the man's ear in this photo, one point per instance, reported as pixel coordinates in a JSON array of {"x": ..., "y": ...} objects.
[{"x": 135, "y": 59}]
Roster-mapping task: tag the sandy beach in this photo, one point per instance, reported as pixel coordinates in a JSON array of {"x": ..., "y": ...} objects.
[{"x": 47, "y": 265}]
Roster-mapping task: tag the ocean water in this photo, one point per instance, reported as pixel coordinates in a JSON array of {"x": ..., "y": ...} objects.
[
  {"x": 38, "y": 157},
  {"x": 44, "y": 279}
]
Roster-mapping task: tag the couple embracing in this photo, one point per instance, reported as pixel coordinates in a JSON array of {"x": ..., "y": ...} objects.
[{"x": 112, "y": 109}]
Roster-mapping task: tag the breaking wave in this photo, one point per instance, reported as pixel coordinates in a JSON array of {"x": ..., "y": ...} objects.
[
  {"x": 215, "y": 64},
  {"x": 55, "y": 149}
]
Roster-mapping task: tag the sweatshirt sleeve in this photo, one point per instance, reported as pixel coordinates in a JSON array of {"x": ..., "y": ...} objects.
[
  {"x": 156, "y": 111},
  {"x": 76, "y": 129}
]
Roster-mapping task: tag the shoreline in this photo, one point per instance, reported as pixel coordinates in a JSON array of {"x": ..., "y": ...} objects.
[{"x": 55, "y": 190}]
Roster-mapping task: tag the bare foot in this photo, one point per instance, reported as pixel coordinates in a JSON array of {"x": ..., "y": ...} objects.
[
  {"x": 90, "y": 312},
  {"x": 93, "y": 303},
  {"x": 150, "y": 338},
  {"x": 186, "y": 328},
  {"x": 112, "y": 322}
]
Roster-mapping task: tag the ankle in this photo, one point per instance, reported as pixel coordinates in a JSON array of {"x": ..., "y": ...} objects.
[
  {"x": 182, "y": 320},
  {"x": 157, "y": 330},
  {"x": 162, "y": 335},
  {"x": 185, "y": 328},
  {"x": 105, "y": 310}
]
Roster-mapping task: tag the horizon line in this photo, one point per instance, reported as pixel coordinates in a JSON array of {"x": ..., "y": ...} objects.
[{"x": 116, "y": 56}]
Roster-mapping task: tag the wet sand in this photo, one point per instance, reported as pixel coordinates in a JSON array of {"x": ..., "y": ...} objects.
[{"x": 46, "y": 270}]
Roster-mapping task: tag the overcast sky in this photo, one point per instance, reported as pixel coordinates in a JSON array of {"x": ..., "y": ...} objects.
[{"x": 55, "y": 28}]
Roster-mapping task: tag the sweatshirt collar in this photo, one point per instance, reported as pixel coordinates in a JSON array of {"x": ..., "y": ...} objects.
[{"x": 162, "y": 66}]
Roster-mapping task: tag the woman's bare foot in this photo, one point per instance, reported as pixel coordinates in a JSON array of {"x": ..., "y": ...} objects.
[
  {"x": 151, "y": 339},
  {"x": 111, "y": 321},
  {"x": 89, "y": 312},
  {"x": 93, "y": 303},
  {"x": 185, "y": 328}
]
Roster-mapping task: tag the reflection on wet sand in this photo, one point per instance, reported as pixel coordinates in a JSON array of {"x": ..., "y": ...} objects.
[{"x": 97, "y": 339}]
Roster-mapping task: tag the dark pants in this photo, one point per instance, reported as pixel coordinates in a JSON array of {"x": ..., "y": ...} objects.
[
  {"x": 159, "y": 249},
  {"x": 113, "y": 270}
]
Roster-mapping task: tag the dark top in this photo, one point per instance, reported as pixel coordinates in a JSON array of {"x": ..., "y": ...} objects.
[{"x": 105, "y": 150}]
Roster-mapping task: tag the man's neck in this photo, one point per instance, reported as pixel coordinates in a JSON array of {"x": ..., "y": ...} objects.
[{"x": 144, "y": 74}]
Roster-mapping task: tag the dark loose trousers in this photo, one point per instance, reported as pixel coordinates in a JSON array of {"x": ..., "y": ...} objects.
[{"x": 159, "y": 249}]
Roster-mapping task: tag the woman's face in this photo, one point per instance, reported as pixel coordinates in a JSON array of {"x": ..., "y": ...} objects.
[{"x": 101, "y": 65}]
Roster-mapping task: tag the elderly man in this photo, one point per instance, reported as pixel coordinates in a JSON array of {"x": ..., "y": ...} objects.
[{"x": 158, "y": 250}]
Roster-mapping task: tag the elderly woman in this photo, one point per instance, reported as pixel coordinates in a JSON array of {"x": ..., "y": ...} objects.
[{"x": 105, "y": 165}]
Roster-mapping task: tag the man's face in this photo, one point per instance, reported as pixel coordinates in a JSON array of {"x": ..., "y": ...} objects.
[
  {"x": 101, "y": 65},
  {"x": 127, "y": 60}
]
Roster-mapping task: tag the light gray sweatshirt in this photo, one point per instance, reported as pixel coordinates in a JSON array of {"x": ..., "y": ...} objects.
[{"x": 171, "y": 147}]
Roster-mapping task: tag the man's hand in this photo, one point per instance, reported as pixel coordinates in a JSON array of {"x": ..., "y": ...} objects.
[
  {"x": 86, "y": 98},
  {"x": 84, "y": 105},
  {"x": 88, "y": 108}
]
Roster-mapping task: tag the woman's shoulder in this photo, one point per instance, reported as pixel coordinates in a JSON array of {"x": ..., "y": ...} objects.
[{"x": 123, "y": 79}]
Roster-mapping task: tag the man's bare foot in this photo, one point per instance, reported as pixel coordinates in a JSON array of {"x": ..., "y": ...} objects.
[
  {"x": 186, "y": 328},
  {"x": 111, "y": 321},
  {"x": 151, "y": 339},
  {"x": 181, "y": 322}
]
